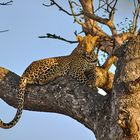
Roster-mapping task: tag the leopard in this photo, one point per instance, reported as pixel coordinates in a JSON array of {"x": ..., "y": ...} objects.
[{"x": 78, "y": 65}]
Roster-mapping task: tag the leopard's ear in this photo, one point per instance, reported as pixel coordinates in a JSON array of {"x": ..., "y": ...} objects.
[{"x": 79, "y": 38}]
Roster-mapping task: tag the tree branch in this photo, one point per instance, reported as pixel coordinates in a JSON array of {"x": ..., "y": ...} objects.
[
  {"x": 2, "y": 31},
  {"x": 99, "y": 7},
  {"x": 104, "y": 21},
  {"x": 73, "y": 13},
  {"x": 90, "y": 26},
  {"x": 64, "y": 95},
  {"x": 53, "y": 36},
  {"x": 7, "y": 3},
  {"x": 61, "y": 9},
  {"x": 136, "y": 17}
]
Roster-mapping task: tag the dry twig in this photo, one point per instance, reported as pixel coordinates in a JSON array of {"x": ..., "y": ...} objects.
[
  {"x": 7, "y": 3},
  {"x": 60, "y": 8},
  {"x": 53, "y": 36}
]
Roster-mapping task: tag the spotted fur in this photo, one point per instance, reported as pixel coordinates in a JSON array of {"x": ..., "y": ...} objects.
[{"x": 78, "y": 64}]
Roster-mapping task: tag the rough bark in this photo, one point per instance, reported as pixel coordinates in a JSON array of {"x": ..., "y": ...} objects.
[
  {"x": 126, "y": 94},
  {"x": 64, "y": 95},
  {"x": 115, "y": 116},
  {"x": 98, "y": 113}
]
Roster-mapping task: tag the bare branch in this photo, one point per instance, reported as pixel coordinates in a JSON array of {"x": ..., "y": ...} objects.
[
  {"x": 107, "y": 21},
  {"x": 104, "y": 21},
  {"x": 53, "y": 36},
  {"x": 73, "y": 13},
  {"x": 110, "y": 60},
  {"x": 90, "y": 26},
  {"x": 107, "y": 46},
  {"x": 112, "y": 12},
  {"x": 7, "y": 3},
  {"x": 61, "y": 9},
  {"x": 99, "y": 7},
  {"x": 73, "y": 2},
  {"x": 134, "y": 2},
  {"x": 2, "y": 31},
  {"x": 136, "y": 17}
]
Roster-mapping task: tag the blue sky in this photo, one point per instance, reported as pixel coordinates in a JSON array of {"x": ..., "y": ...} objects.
[{"x": 27, "y": 20}]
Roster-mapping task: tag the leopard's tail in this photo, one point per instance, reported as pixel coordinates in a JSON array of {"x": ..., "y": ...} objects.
[{"x": 20, "y": 96}]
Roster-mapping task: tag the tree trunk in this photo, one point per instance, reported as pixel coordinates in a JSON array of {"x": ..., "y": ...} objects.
[
  {"x": 125, "y": 102},
  {"x": 115, "y": 116}
]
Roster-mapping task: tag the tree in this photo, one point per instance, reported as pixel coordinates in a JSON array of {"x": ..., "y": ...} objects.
[{"x": 114, "y": 116}]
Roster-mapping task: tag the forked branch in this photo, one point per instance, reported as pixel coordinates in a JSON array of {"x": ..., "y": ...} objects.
[
  {"x": 52, "y": 3},
  {"x": 53, "y": 36},
  {"x": 106, "y": 21},
  {"x": 73, "y": 13}
]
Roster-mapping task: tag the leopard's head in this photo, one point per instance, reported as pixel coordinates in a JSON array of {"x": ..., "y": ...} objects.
[{"x": 86, "y": 47}]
